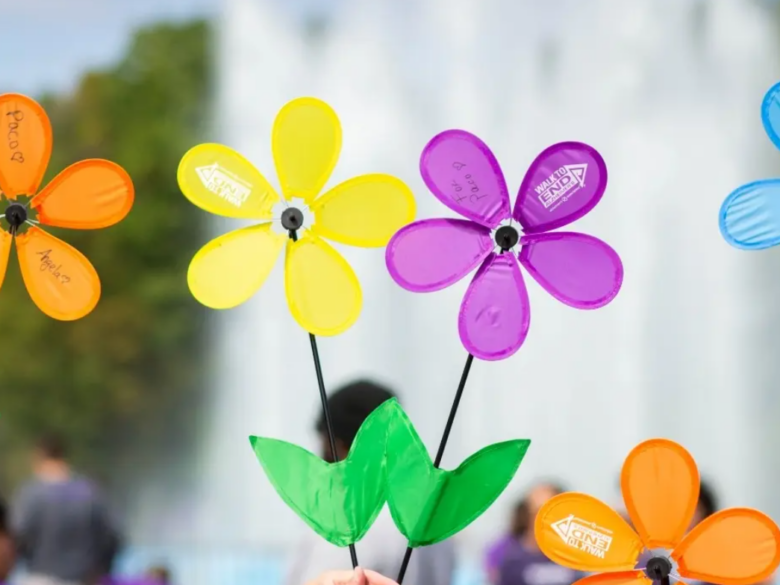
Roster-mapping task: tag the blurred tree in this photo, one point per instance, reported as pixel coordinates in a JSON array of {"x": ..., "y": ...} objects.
[{"x": 120, "y": 382}]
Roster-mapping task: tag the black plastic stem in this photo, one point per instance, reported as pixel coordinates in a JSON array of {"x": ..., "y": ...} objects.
[
  {"x": 315, "y": 354},
  {"x": 440, "y": 453}
]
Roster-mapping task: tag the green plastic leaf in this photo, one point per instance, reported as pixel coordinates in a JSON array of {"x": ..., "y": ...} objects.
[
  {"x": 429, "y": 505},
  {"x": 340, "y": 500}
]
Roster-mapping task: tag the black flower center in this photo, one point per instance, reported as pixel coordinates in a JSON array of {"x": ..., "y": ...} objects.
[
  {"x": 507, "y": 237},
  {"x": 15, "y": 215},
  {"x": 292, "y": 219},
  {"x": 658, "y": 569}
]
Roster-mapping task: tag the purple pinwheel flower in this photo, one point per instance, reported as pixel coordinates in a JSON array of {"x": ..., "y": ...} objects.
[{"x": 564, "y": 183}]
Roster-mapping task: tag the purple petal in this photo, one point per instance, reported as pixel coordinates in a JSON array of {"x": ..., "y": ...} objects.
[
  {"x": 495, "y": 312},
  {"x": 564, "y": 183},
  {"x": 432, "y": 254},
  {"x": 464, "y": 175},
  {"x": 577, "y": 269}
]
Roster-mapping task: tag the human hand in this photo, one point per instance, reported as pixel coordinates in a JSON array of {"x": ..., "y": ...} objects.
[{"x": 356, "y": 577}]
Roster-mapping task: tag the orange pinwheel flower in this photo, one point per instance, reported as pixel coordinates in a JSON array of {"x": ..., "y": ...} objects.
[
  {"x": 660, "y": 485},
  {"x": 87, "y": 195}
]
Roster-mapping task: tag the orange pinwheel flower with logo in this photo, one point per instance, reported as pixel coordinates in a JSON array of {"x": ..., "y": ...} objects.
[
  {"x": 90, "y": 194},
  {"x": 660, "y": 485}
]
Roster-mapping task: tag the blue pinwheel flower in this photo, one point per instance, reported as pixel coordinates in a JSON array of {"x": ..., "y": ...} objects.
[{"x": 750, "y": 216}]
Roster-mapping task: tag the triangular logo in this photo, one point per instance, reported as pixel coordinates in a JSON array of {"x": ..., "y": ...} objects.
[
  {"x": 561, "y": 527},
  {"x": 205, "y": 173},
  {"x": 578, "y": 172}
]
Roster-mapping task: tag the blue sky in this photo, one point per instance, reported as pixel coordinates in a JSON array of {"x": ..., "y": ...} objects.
[{"x": 47, "y": 44}]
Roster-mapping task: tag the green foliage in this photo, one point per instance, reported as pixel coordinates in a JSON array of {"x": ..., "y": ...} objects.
[
  {"x": 123, "y": 376},
  {"x": 429, "y": 505},
  {"x": 340, "y": 500}
]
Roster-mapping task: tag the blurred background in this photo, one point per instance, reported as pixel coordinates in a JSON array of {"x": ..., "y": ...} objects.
[{"x": 157, "y": 395}]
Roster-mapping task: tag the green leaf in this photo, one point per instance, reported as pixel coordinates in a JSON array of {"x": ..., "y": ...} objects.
[
  {"x": 340, "y": 500},
  {"x": 429, "y": 505}
]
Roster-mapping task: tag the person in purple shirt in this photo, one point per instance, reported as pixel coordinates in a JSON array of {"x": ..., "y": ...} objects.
[
  {"x": 494, "y": 555},
  {"x": 516, "y": 559}
]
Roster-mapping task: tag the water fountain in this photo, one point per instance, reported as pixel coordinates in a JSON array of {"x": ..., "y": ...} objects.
[{"x": 667, "y": 90}]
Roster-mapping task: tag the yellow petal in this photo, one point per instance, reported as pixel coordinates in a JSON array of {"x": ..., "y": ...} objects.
[
  {"x": 231, "y": 268},
  {"x": 322, "y": 290},
  {"x": 365, "y": 211},
  {"x": 59, "y": 278},
  {"x": 306, "y": 143},
  {"x": 221, "y": 181}
]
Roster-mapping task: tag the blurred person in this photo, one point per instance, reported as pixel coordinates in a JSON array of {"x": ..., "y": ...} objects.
[
  {"x": 61, "y": 523},
  {"x": 7, "y": 549},
  {"x": 383, "y": 548},
  {"x": 494, "y": 555},
  {"x": 522, "y": 563},
  {"x": 159, "y": 574},
  {"x": 707, "y": 504}
]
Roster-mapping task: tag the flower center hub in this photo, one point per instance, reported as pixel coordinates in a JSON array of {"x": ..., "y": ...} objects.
[
  {"x": 292, "y": 219},
  {"x": 15, "y": 215},
  {"x": 658, "y": 569},
  {"x": 506, "y": 237}
]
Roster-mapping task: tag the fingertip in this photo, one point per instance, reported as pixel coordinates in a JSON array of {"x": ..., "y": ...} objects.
[{"x": 375, "y": 578}]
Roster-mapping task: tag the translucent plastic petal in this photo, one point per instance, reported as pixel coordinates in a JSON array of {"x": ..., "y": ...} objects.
[
  {"x": 750, "y": 216},
  {"x": 580, "y": 532},
  {"x": 221, "y": 181},
  {"x": 564, "y": 183},
  {"x": 90, "y": 194},
  {"x": 6, "y": 239},
  {"x": 340, "y": 500},
  {"x": 461, "y": 171},
  {"x": 306, "y": 144},
  {"x": 322, "y": 290},
  {"x": 432, "y": 254},
  {"x": 770, "y": 114},
  {"x": 737, "y": 546},
  {"x": 365, "y": 211},
  {"x": 428, "y": 504},
  {"x": 619, "y": 578},
  {"x": 231, "y": 268},
  {"x": 59, "y": 278},
  {"x": 577, "y": 269},
  {"x": 495, "y": 313},
  {"x": 26, "y": 145},
  {"x": 660, "y": 484}
]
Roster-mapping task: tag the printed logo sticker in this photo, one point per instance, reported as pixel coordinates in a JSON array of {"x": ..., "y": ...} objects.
[
  {"x": 583, "y": 535},
  {"x": 561, "y": 185},
  {"x": 224, "y": 184}
]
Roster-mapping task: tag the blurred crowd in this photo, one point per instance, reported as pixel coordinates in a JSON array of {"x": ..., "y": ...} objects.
[{"x": 58, "y": 527}]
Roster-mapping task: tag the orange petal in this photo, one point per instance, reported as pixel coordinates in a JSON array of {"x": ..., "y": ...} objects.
[
  {"x": 619, "y": 578},
  {"x": 87, "y": 195},
  {"x": 737, "y": 546},
  {"x": 5, "y": 252},
  {"x": 59, "y": 278},
  {"x": 660, "y": 484},
  {"x": 580, "y": 532},
  {"x": 25, "y": 144}
]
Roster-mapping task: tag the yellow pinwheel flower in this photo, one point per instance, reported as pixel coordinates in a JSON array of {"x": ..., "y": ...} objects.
[{"x": 322, "y": 290}]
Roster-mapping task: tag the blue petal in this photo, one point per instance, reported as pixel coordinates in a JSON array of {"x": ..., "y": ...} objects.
[
  {"x": 750, "y": 216},
  {"x": 770, "y": 114}
]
